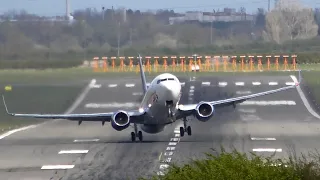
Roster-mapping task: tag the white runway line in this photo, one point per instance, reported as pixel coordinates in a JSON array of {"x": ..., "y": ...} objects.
[
  {"x": 94, "y": 85},
  {"x": 206, "y": 83},
  {"x": 182, "y": 83},
  {"x": 167, "y": 160},
  {"x": 273, "y": 83},
  {"x": 170, "y": 153},
  {"x": 222, "y": 84},
  {"x": 112, "y": 85},
  {"x": 256, "y": 83},
  {"x": 172, "y": 143},
  {"x": 170, "y": 148},
  {"x": 86, "y": 140},
  {"x": 191, "y": 90},
  {"x": 243, "y": 92},
  {"x": 130, "y": 85},
  {"x": 160, "y": 173},
  {"x": 112, "y": 105},
  {"x": 247, "y": 110},
  {"x": 304, "y": 99},
  {"x": 262, "y": 139},
  {"x": 164, "y": 166},
  {"x": 16, "y": 130},
  {"x": 73, "y": 151},
  {"x": 49, "y": 167},
  {"x": 80, "y": 98},
  {"x": 174, "y": 139},
  {"x": 239, "y": 83},
  {"x": 290, "y": 83},
  {"x": 137, "y": 93},
  {"x": 250, "y": 117},
  {"x": 266, "y": 150},
  {"x": 268, "y": 103},
  {"x": 191, "y": 87}
]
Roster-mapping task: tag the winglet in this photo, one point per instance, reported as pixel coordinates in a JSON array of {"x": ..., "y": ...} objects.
[
  {"x": 143, "y": 77},
  {"x": 5, "y": 105}
]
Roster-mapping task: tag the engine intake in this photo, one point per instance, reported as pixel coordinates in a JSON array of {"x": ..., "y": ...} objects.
[
  {"x": 120, "y": 120},
  {"x": 204, "y": 111}
]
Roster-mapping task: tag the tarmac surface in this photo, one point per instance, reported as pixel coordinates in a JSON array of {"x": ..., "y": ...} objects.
[{"x": 61, "y": 149}]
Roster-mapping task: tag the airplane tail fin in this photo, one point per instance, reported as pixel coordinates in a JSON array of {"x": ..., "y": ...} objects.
[{"x": 143, "y": 76}]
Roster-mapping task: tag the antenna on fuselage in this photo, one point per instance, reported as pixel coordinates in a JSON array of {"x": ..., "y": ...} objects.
[{"x": 143, "y": 77}]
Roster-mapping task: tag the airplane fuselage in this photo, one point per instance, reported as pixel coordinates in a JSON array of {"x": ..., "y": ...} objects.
[{"x": 161, "y": 101}]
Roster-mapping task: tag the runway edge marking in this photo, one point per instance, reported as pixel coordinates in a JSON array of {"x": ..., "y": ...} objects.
[
  {"x": 303, "y": 98},
  {"x": 50, "y": 167},
  {"x": 69, "y": 110}
]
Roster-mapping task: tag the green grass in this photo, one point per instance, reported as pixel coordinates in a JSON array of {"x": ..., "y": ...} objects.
[
  {"x": 235, "y": 166},
  {"x": 36, "y": 98}
]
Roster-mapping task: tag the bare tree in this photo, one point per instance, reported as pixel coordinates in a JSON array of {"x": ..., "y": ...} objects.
[{"x": 290, "y": 21}]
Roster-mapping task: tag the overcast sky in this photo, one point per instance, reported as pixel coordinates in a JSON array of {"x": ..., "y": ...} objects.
[{"x": 57, "y": 7}]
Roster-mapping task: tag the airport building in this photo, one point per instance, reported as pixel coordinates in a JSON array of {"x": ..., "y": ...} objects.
[{"x": 227, "y": 15}]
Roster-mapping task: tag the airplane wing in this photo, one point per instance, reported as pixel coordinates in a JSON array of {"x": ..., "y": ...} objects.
[
  {"x": 189, "y": 109},
  {"x": 136, "y": 116}
]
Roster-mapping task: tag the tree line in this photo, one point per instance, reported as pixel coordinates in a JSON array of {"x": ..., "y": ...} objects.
[{"x": 30, "y": 39}]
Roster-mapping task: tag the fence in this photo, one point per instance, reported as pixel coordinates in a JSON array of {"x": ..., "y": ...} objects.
[{"x": 199, "y": 63}]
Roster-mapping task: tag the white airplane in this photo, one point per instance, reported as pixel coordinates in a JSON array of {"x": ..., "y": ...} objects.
[{"x": 160, "y": 106}]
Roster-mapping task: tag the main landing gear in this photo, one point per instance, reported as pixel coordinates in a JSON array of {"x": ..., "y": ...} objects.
[
  {"x": 136, "y": 133},
  {"x": 185, "y": 128}
]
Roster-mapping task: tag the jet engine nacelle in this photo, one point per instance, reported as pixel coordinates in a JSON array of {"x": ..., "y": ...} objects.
[
  {"x": 120, "y": 120},
  {"x": 204, "y": 111}
]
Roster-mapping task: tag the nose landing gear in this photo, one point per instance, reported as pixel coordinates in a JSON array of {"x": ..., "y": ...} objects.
[
  {"x": 136, "y": 133},
  {"x": 185, "y": 128},
  {"x": 169, "y": 105}
]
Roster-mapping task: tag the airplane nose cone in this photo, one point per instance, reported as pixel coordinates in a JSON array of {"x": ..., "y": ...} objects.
[{"x": 172, "y": 90}]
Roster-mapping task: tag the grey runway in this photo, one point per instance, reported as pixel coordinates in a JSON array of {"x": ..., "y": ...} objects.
[{"x": 93, "y": 151}]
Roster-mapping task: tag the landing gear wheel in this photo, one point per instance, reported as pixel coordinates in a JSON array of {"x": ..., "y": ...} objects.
[
  {"x": 189, "y": 130},
  {"x": 140, "y": 136},
  {"x": 133, "y": 136},
  {"x": 181, "y": 131}
]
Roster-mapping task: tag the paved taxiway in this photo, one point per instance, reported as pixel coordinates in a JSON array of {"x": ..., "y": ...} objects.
[{"x": 278, "y": 122}]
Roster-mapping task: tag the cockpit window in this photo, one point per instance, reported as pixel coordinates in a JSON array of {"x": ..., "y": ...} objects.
[{"x": 166, "y": 79}]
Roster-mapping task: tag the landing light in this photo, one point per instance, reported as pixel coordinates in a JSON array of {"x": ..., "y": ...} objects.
[{"x": 141, "y": 110}]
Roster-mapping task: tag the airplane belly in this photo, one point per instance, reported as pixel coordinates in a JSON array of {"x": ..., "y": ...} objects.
[{"x": 158, "y": 113}]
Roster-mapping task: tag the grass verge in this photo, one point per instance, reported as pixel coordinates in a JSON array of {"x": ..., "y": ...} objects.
[
  {"x": 235, "y": 165},
  {"x": 29, "y": 98}
]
